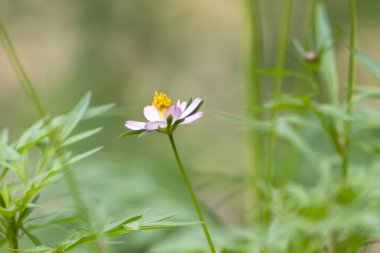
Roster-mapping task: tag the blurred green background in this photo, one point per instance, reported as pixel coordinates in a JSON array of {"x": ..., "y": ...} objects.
[{"x": 123, "y": 51}]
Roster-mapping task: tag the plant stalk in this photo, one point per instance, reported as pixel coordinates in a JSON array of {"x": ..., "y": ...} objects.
[
  {"x": 20, "y": 72},
  {"x": 254, "y": 100},
  {"x": 12, "y": 236},
  {"x": 192, "y": 194},
  {"x": 351, "y": 79},
  {"x": 280, "y": 62}
]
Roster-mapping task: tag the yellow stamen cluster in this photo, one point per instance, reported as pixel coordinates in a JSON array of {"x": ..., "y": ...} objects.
[{"x": 161, "y": 101}]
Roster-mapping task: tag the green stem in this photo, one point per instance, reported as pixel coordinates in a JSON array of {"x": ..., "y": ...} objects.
[
  {"x": 351, "y": 78},
  {"x": 78, "y": 201},
  {"x": 12, "y": 236},
  {"x": 192, "y": 194},
  {"x": 21, "y": 74},
  {"x": 280, "y": 62},
  {"x": 253, "y": 99}
]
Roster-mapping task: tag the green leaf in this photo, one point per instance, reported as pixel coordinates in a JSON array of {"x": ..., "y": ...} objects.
[
  {"x": 4, "y": 136},
  {"x": 36, "y": 133},
  {"x": 370, "y": 64},
  {"x": 290, "y": 73},
  {"x": 286, "y": 131},
  {"x": 73, "y": 118},
  {"x": 5, "y": 195},
  {"x": 80, "y": 136},
  {"x": 176, "y": 124},
  {"x": 95, "y": 111},
  {"x": 34, "y": 239},
  {"x": 286, "y": 102},
  {"x": 157, "y": 225},
  {"x": 324, "y": 40},
  {"x": 49, "y": 219},
  {"x": 363, "y": 93},
  {"x": 114, "y": 226},
  {"x": 334, "y": 112},
  {"x": 77, "y": 158},
  {"x": 261, "y": 126},
  {"x": 122, "y": 226},
  {"x": 130, "y": 133},
  {"x": 39, "y": 249},
  {"x": 30, "y": 208}
]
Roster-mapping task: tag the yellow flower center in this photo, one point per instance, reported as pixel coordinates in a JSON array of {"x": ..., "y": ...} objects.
[{"x": 161, "y": 102}]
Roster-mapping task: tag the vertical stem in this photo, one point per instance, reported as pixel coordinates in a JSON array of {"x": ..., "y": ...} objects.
[
  {"x": 281, "y": 52},
  {"x": 253, "y": 98},
  {"x": 280, "y": 62},
  {"x": 351, "y": 77},
  {"x": 192, "y": 194},
  {"x": 21, "y": 74},
  {"x": 12, "y": 236},
  {"x": 13, "y": 244}
]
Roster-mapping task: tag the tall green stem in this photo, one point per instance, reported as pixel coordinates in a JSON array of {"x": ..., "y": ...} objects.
[
  {"x": 192, "y": 194},
  {"x": 12, "y": 236},
  {"x": 351, "y": 79},
  {"x": 21, "y": 74},
  {"x": 280, "y": 62},
  {"x": 253, "y": 98}
]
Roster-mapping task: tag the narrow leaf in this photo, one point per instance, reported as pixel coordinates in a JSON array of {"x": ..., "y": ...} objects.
[
  {"x": 95, "y": 111},
  {"x": 75, "y": 116},
  {"x": 34, "y": 239},
  {"x": 80, "y": 136},
  {"x": 324, "y": 40},
  {"x": 371, "y": 64},
  {"x": 130, "y": 133},
  {"x": 83, "y": 155}
]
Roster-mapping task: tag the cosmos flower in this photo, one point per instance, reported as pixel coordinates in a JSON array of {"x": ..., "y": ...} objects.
[{"x": 164, "y": 117}]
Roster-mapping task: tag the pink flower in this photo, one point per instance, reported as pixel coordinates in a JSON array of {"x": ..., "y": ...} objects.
[{"x": 164, "y": 117}]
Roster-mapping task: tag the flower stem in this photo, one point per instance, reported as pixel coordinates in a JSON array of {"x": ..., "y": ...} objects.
[
  {"x": 192, "y": 194},
  {"x": 351, "y": 78}
]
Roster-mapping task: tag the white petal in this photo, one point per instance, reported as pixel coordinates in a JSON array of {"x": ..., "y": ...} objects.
[
  {"x": 191, "y": 107},
  {"x": 174, "y": 111},
  {"x": 182, "y": 105},
  {"x": 192, "y": 118},
  {"x": 151, "y": 113},
  {"x": 134, "y": 125},
  {"x": 150, "y": 126}
]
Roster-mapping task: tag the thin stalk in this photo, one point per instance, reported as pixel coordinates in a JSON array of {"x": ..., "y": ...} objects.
[
  {"x": 253, "y": 98},
  {"x": 20, "y": 72},
  {"x": 351, "y": 78},
  {"x": 280, "y": 62},
  {"x": 192, "y": 194},
  {"x": 13, "y": 244},
  {"x": 32, "y": 95},
  {"x": 311, "y": 25},
  {"x": 12, "y": 236}
]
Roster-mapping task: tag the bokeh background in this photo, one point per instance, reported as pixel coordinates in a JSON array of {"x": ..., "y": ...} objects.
[{"x": 122, "y": 51}]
